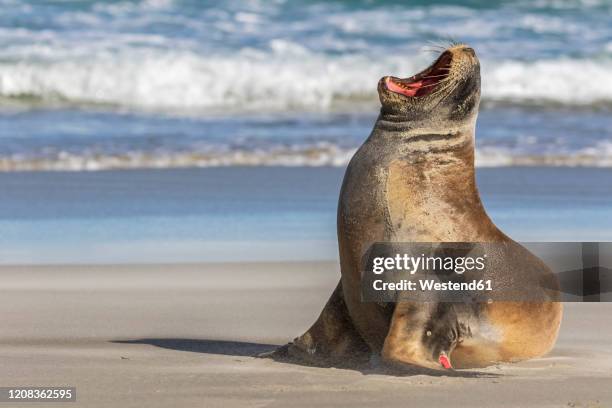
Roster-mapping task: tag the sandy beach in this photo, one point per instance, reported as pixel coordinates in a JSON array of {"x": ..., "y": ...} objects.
[
  {"x": 170, "y": 174},
  {"x": 185, "y": 335}
]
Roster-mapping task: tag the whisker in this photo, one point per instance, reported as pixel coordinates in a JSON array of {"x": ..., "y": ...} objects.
[
  {"x": 443, "y": 82},
  {"x": 428, "y": 86},
  {"x": 438, "y": 47},
  {"x": 438, "y": 43},
  {"x": 435, "y": 51},
  {"x": 435, "y": 76},
  {"x": 442, "y": 89},
  {"x": 449, "y": 42},
  {"x": 453, "y": 88}
]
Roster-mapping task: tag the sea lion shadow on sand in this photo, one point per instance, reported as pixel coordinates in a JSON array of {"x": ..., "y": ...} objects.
[
  {"x": 221, "y": 347},
  {"x": 362, "y": 364}
]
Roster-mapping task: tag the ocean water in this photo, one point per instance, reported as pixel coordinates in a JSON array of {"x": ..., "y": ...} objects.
[
  {"x": 266, "y": 213},
  {"x": 108, "y": 108},
  {"x": 89, "y": 85}
]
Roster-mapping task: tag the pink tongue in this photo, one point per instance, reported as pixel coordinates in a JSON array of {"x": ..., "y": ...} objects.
[
  {"x": 445, "y": 361},
  {"x": 393, "y": 87}
]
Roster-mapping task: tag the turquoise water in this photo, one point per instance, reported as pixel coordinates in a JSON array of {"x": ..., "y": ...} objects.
[{"x": 178, "y": 83}]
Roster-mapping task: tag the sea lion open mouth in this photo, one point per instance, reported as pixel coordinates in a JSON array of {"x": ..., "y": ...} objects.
[{"x": 423, "y": 83}]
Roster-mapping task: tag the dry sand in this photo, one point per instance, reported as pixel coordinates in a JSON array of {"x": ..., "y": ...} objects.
[{"x": 184, "y": 335}]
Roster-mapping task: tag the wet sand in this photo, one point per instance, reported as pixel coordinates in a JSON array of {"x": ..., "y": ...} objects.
[{"x": 257, "y": 214}]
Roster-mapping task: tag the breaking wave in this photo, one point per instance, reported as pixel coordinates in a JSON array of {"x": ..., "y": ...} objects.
[{"x": 289, "y": 79}]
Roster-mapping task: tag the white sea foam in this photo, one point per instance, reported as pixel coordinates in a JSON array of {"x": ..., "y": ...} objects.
[
  {"x": 600, "y": 156},
  {"x": 565, "y": 81},
  {"x": 290, "y": 77},
  {"x": 184, "y": 80},
  {"x": 320, "y": 154}
]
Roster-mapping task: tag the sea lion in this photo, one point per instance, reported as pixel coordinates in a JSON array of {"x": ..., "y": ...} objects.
[{"x": 413, "y": 180}]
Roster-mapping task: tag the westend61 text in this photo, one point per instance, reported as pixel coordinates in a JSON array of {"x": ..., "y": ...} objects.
[{"x": 433, "y": 285}]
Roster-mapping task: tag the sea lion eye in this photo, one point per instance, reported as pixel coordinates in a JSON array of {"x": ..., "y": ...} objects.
[{"x": 428, "y": 333}]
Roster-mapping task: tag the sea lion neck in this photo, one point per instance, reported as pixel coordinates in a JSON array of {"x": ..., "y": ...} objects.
[
  {"x": 425, "y": 141},
  {"x": 408, "y": 125},
  {"x": 440, "y": 173},
  {"x": 440, "y": 185},
  {"x": 434, "y": 166}
]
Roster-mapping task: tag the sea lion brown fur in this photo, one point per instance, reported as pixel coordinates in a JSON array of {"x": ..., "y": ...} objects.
[{"x": 413, "y": 180}]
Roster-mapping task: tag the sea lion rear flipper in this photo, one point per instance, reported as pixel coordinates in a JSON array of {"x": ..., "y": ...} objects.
[
  {"x": 331, "y": 340},
  {"x": 402, "y": 344}
]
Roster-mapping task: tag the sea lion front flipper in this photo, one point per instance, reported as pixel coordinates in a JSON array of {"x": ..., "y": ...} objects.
[
  {"x": 423, "y": 334},
  {"x": 332, "y": 339}
]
